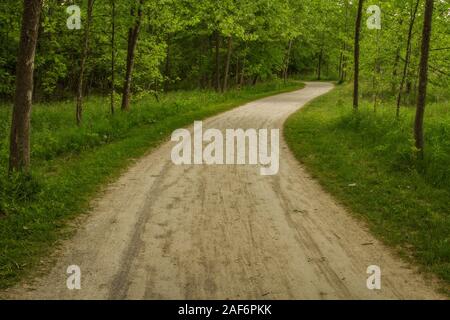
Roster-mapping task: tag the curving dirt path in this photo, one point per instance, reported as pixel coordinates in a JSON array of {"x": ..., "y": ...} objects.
[{"x": 225, "y": 232}]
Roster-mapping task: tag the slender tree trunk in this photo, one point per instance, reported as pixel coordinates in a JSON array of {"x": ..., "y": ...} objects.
[
  {"x": 255, "y": 80},
  {"x": 204, "y": 77},
  {"x": 19, "y": 158},
  {"x": 395, "y": 69},
  {"x": 407, "y": 56},
  {"x": 376, "y": 73},
  {"x": 80, "y": 84},
  {"x": 343, "y": 76},
  {"x": 356, "y": 56},
  {"x": 242, "y": 77},
  {"x": 217, "y": 73},
  {"x": 167, "y": 66},
  {"x": 227, "y": 64},
  {"x": 237, "y": 71},
  {"x": 212, "y": 75},
  {"x": 113, "y": 53},
  {"x": 288, "y": 61},
  {"x": 243, "y": 65},
  {"x": 344, "y": 70},
  {"x": 423, "y": 76},
  {"x": 319, "y": 67},
  {"x": 343, "y": 63},
  {"x": 133, "y": 35}
]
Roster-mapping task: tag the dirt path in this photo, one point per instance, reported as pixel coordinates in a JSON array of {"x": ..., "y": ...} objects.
[{"x": 225, "y": 232}]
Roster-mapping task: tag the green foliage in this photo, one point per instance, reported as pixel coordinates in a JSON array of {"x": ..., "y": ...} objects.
[
  {"x": 176, "y": 44},
  {"x": 176, "y": 30}
]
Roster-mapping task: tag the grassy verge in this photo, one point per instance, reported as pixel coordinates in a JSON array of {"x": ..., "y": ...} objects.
[
  {"x": 70, "y": 164},
  {"x": 367, "y": 161}
]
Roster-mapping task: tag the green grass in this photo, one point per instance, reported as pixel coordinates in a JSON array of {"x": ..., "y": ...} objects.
[
  {"x": 70, "y": 164},
  {"x": 405, "y": 201}
]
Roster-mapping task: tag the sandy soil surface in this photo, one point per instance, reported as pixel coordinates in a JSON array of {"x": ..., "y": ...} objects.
[{"x": 225, "y": 232}]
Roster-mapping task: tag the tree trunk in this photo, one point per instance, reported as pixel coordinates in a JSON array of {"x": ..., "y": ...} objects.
[
  {"x": 113, "y": 53},
  {"x": 394, "y": 69},
  {"x": 255, "y": 80},
  {"x": 167, "y": 66},
  {"x": 242, "y": 77},
  {"x": 341, "y": 64},
  {"x": 407, "y": 56},
  {"x": 376, "y": 74},
  {"x": 217, "y": 73},
  {"x": 80, "y": 84},
  {"x": 423, "y": 76},
  {"x": 344, "y": 68},
  {"x": 288, "y": 61},
  {"x": 237, "y": 72},
  {"x": 227, "y": 64},
  {"x": 396, "y": 63},
  {"x": 342, "y": 61},
  {"x": 204, "y": 76},
  {"x": 19, "y": 158},
  {"x": 319, "y": 67},
  {"x": 133, "y": 35},
  {"x": 356, "y": 56}
]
